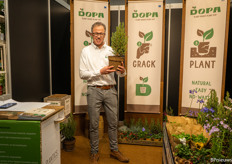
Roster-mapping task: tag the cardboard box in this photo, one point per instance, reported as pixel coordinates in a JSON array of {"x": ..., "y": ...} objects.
[{"x": 60, "y": 100}]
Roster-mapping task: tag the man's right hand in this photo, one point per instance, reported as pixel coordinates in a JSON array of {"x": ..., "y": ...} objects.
[{"x": 107, "y": 70}]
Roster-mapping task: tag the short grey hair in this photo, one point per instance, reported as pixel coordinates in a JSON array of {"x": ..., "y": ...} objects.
[{"x": 98, "y": 24}]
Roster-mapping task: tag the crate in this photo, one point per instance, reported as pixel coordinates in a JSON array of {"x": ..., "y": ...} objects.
[{"x": 60, "y": 100}]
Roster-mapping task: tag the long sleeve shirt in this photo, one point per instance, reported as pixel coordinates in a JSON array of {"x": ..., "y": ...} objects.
[{"x": 92, "y": 60}]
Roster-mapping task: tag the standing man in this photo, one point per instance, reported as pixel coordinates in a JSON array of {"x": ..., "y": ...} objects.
[{"x": 94, "y": 67}]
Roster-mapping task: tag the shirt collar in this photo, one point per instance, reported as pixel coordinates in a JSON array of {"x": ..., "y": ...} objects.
[{"x": 96, "y": 47}]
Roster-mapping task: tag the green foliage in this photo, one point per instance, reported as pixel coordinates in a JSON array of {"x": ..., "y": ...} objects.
[
  {"x": 212, "y": 102},
  {"x": 143, "y": 134},
  {"x": 183, "y": 151},
  {"x": 215, "y": 118},
  {"x": 68, "y": 128},
  {"x": 183, "y": 135},
  {"x": 139, "y": 123},
  {"x": 2, "y": 82},
  {"x": 146, "y": 125},
  {"x": 217, "y": 145},
  {"x": 199, "y": 138},
  {"x": 142, "y": 130},
  {"x": 2, "y": 26},
  {"x": 135, "y": 129},
  {"x": 1, "y": 5},
  {"x": 132, "y": 122},
  {"x": 156, "y": 127},
  {"x": 119, "y": 41},
  {"x": 200, "y": 156},
  {"x": 170, "y": 111}
]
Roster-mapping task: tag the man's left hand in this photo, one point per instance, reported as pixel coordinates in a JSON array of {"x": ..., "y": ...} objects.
[{"x": 121, "y": 68}]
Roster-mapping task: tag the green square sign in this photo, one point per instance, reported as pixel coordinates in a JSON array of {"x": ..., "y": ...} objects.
[{"x": 20, "y": 142}]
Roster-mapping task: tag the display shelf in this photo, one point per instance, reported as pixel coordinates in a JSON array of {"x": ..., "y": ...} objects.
[{"x": 2, "y": 19}]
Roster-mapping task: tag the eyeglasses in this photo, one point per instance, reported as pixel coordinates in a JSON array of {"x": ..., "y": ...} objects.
[{"x": 98, "y": 34}]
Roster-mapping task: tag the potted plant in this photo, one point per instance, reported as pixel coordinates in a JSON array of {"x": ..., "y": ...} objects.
[
  {"x": 68, "y": 129},
  {"x": 2, "y": 30},
  {"x": 2, "y": 84},
  {"x": 2, "y": 8},
  {"x": 119, "y": 46}
]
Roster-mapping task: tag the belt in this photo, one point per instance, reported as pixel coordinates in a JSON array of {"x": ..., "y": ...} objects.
[{"x": 105, "y": 87}]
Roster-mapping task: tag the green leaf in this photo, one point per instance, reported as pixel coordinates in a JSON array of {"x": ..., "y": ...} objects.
[
  {"x": 148, "y": 36},
  {"x": 145, "y": 79},
  {"x": 208, "y": 34}
]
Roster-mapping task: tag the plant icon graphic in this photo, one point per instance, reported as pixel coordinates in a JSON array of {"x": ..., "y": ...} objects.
[
  {"x": 144, "y": 47},
  {"x": 143, "y": 89},
  {"x": 88, "y": 34},
  {"x": 203, "y": 49}
]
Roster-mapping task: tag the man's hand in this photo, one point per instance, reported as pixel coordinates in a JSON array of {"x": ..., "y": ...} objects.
[
  {"x": 121, "y": 68},
  {"x": 107, "y": 70}
]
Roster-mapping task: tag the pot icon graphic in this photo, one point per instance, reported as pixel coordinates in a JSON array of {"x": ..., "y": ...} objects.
[
  {"x": 143, "y": 89},
  {"x": 203, "y": 47}
]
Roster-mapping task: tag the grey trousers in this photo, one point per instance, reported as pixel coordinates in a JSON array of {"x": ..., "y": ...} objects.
[{"x": 97, "y": 97}]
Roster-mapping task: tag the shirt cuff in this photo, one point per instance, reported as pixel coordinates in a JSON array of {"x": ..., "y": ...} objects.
[{"x": 97, "y": 73}]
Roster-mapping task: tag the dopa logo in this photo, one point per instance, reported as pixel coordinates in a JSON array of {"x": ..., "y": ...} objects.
[
  {"x": 143, "y": 89},
  {"x": 203, "y": 49},
  {"x": 88, "y": 34},
  {"x": 144, "y": 47},
  {"x": 88, "y": 14}
]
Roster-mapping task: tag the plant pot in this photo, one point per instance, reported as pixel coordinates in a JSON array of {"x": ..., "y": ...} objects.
[
  {"x": 143, "y": 89},
  {"x": 203, "y": 47},
  {"x": 69, "y": 145},
  {"x": 115, "y": 61}
]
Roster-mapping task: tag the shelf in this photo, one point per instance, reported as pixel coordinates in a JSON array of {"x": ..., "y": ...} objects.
[{"x": 2, "y": 19}]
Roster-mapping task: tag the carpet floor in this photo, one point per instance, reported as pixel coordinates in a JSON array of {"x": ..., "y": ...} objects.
[{"x": 136, "y": 153}]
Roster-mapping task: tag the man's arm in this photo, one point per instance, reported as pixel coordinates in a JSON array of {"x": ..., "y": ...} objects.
[{"x": 84, "y": 72}]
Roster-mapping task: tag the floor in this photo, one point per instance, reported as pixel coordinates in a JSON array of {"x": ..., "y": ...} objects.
[{"x": 136, "y": 153}]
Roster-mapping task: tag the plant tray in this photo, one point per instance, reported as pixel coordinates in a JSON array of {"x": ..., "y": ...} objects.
[
  {"x": 142, "y": 142},
  {"x": 115, "y": 61}
]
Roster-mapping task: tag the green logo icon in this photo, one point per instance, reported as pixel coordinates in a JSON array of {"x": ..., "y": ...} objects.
[
  {"x": 143, "y": 89},
  {"x": 196, "y": 42},
  {"x": 86, "y": 43},
  {"x": 139, "y": 44}
]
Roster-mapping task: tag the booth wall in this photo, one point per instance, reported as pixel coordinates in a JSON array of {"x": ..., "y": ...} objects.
[
  {"x": 172, "y": 53},
  {"x": 32, "y": 79},
  {"x": 60, "y": 48},
  {"x": 29, "y": 49}
]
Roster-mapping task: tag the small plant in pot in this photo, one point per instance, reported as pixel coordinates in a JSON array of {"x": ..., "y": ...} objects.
[
  {"x": 119, "y": 46},
  {"x": 68, "y": 129}
]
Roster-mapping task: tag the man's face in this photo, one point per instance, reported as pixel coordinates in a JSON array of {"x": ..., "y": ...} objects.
[{"x": 98, "y": 36}]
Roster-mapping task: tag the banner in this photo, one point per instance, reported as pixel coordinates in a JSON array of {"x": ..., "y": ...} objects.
[
  {"x": 86, "y": 13},
  {"x": 203, "y": 55},
  {"x": 145, "y": 29},
  {"x": 20, "y": 142}
]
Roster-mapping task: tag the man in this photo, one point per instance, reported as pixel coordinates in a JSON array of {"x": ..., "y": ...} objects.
[{"x": 94, "y": 67}]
